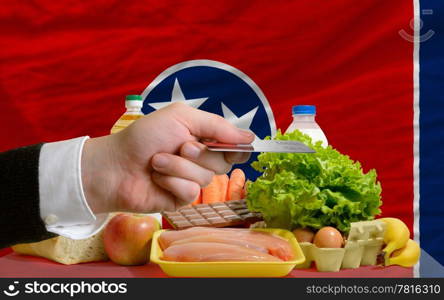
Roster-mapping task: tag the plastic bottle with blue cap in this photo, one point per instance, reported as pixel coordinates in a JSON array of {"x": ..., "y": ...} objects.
[{"x": 304, "y": 121}]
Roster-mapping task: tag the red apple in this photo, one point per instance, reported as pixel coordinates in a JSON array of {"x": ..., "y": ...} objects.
[{"x": 127, "y": 238}]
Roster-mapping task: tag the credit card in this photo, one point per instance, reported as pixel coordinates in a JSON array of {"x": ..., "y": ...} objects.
[{"x": 261, "y": 146}]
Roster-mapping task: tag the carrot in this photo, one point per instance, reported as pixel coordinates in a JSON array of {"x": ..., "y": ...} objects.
[
  {"x": 216, "y": 191},
  {"x": 236, "y": 185},
  {"x": 224, "y": 186},
  {"x": 198, "y": 199},
  {"x": 244, "y": 190}
]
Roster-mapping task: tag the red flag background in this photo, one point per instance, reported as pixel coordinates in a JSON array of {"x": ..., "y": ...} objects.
[{"x": 66, "y": 66}]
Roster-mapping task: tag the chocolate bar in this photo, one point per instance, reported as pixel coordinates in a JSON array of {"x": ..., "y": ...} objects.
[{"x": 220, "y": 214}]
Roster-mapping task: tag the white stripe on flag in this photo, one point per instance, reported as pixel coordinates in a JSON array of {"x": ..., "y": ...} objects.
[{"x": 416, "y": 44}]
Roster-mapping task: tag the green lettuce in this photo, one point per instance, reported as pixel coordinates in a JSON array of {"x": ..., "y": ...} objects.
[{"x": 319, "y": 189}]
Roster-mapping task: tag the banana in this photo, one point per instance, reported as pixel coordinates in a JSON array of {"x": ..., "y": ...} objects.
[
  {"x": 396, "y": 236},
  {"x": 407, "y": 256}
]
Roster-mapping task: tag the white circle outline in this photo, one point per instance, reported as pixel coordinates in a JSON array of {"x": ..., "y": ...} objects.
[{"x": 216, "y": 64}]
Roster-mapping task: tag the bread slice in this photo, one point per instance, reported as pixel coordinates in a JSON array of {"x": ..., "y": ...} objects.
[{"x": 65, "y": 250}]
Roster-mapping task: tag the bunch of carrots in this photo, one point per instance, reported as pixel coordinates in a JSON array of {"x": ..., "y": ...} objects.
[{"x": 223, "y": 188}]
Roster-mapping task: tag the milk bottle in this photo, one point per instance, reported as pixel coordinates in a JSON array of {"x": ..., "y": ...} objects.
[{"x": 304, "y": 121}]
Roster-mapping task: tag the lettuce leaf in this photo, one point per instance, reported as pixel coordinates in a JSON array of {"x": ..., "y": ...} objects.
[{"x": 326, "y": 188}]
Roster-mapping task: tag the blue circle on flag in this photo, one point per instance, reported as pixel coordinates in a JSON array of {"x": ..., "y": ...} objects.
[{"x": 219, "y": 89}]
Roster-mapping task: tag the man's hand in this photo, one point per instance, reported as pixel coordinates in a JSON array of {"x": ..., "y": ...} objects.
[{"x": 157, "y": 163}]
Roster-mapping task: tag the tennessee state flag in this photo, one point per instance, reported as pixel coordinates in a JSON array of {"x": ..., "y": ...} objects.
[{"x": 374, "y": 70}]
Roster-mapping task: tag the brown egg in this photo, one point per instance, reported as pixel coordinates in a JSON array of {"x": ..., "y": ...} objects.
[
  {"x": 328, "y": 237},
  {"x": 303, "y": 235}
]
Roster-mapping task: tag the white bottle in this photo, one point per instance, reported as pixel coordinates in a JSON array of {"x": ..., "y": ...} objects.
[
  {"x": 304, "y": 121},
  {"x": 133, "y": 104}
]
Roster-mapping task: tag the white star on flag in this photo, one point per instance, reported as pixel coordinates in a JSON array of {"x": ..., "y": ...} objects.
[
  {"x": 178, "y": 96},
  {"x": 243, "y": 121}
]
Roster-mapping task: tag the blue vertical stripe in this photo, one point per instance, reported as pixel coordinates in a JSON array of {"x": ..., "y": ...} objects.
[{"x": 431, "y": 80}]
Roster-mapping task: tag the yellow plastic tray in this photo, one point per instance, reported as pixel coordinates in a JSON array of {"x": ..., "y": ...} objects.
[{"x": 231, "y": 268}]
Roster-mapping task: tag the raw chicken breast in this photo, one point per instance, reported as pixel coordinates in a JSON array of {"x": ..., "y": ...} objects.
[
  {"x": 220, "y": 239},
  {"x": 195, "y": 252},
  {"x": 251, "y": 239},
  {"x": 170, "y": 236}
]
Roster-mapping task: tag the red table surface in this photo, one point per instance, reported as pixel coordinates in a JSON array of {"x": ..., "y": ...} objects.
[{"x": 14, "y": 265}]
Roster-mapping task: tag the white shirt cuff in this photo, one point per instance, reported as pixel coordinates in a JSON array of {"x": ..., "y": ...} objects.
[{"x": 63, "y": 206}]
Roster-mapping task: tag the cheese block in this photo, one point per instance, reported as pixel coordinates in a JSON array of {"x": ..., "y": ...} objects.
[{"x": 65, "y": 250}]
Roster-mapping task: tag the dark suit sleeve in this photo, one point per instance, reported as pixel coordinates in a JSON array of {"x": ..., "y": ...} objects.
[{"x": 20, "y": 220}]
